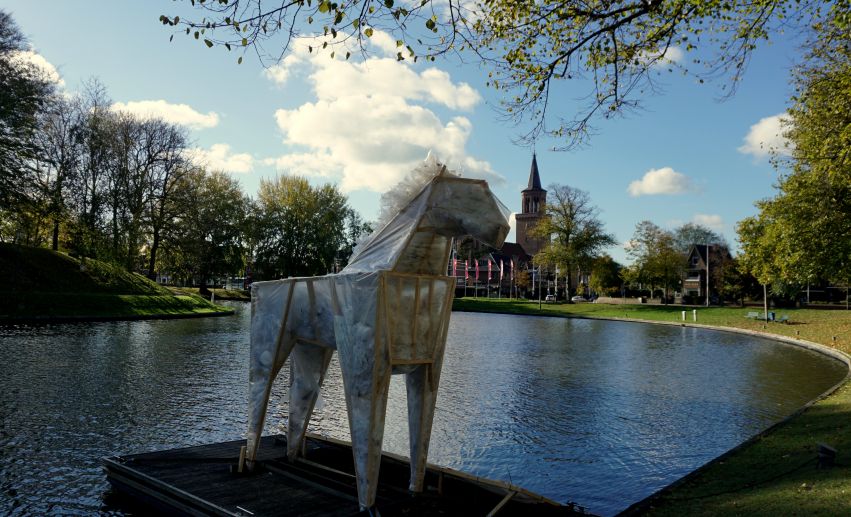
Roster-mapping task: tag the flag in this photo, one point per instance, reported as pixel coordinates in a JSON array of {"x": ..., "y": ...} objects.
[
  {"x": 501, "y": 267},
  {"x": 477, "y": 270},
  {"x": 512, "y": 270},
  {"x": 466, "y": 270},
  {"x": 489, "y": 269},
  {"x": 454, "y": 267}
]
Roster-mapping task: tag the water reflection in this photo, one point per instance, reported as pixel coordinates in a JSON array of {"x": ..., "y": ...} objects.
[{"x": 568, "y": 408}]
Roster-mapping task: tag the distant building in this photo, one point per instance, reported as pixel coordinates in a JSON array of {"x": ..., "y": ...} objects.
[
  {"x": 532, "y": 200},
  {"x": 694, "y": 281},
  {"x": 520, "y": 253}
]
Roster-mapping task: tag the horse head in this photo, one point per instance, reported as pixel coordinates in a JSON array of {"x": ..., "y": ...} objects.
[
  {"x": 462, "y": 207},
  {"x": 422, "y": 214}
]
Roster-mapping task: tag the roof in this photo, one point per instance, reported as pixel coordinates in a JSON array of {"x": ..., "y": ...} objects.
[
  {"x": 510, "y": 250},
  {"x": 700, "y": 250},
  {"x": 534, "y": 177}
]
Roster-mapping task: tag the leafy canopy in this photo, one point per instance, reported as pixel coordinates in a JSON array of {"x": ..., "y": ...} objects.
[
  {"x": 612, "y": 51},
  {"x": 804, "y": 233}
]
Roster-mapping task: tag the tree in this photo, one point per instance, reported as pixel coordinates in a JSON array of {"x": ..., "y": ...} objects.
[
  {"x": 56, "y": 163},
  {"x": 693, "y": 233},
  {"x": 89, "y": 192},
  {"x": 656, "y": 258},
  {"x": 25, "y": 93},
  {"x": 167, "y": 144},
  {"x": 606, "y": 275},
  {"x": 523, "y": 280},
  {"x": 299, "y": 229},
  {"x": 207, "y": 238},
  {"x": 759, "y": 251},
  {"x": 356, "y": 229},
  {"x": 612, "y": 51},
  {"x": 572, "y": 230},
  {"x": 804, "y": 233}
]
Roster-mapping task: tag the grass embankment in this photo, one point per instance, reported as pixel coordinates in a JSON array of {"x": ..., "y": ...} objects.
[
  {"x": 774, "y": 474},
  {"x": 239, "y": 295},
  {"x": 40, "y": 284}
]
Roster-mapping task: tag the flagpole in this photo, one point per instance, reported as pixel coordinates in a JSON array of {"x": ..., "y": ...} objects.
[
  {"x": 539, "y": 287},
  {"x": 466, "y": 277},
  {"x": 488, "y": 292},
  {"x": 476, "y": 284}
]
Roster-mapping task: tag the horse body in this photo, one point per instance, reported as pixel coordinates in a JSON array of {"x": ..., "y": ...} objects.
[{"x": 387, "y": 312}]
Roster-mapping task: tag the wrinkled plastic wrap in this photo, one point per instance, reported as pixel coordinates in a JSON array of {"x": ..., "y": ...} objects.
[{"x": 387, "y": 312}]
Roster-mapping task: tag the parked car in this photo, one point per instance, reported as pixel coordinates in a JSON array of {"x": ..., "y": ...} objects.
[
  {"x": 578, "y": 299},
  {"x": 550, "y": 298}
]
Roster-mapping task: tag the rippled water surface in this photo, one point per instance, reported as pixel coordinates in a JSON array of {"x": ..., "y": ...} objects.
[{"x": 595, "y": 412}]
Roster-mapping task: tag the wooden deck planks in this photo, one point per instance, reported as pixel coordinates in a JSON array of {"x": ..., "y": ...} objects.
[{"x": 199, "y": 480}]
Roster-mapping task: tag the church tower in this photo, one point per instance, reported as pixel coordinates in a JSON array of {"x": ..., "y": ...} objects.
[{"x": 532, "y": 200}]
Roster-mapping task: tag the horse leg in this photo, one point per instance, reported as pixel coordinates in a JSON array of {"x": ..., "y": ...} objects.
[
  {"x": 366, "y": 379},
  {"x": 307, "y": 370},
  {"x": 265, "y": 363},
  {"x": 422, "y": 395}
]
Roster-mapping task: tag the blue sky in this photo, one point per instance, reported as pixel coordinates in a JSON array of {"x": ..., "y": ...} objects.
[{"x": 362, "y": 125}]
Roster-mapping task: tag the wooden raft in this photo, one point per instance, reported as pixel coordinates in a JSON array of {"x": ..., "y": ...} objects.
[{"x": 202, "y": 481}]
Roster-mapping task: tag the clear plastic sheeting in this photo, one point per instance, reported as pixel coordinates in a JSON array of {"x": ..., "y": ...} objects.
[{"x": 387, "y": 312}]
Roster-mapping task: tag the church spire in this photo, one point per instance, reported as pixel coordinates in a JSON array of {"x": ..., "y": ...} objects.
[{"x": 534, "y": 178}]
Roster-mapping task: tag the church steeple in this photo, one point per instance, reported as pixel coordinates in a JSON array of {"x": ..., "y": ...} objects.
[
  {"x": 534, "y": 178},
  {"x": 532, "y": 201}
]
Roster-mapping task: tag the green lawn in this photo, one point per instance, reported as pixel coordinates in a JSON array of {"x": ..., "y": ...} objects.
[
  {"x": 37, "y": 283},
  {"x": 775, "y": 474},
  {"x": 242, "y": 295}
]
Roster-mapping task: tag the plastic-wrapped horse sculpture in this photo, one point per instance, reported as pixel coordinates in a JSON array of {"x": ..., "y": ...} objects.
[{"x": 386, "y": 313}]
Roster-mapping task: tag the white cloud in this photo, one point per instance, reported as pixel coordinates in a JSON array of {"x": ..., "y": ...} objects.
[
  {"x": 660, "y": 181},
  {"x": 368, "y": 125},
  {"x": 765, "y": 137},
  {"x": 39, "y": 62},
  {"x": 182, "y": 114},
  {"x": 662, "y": 59},
  {"x": 281, "y": 72},
  {"x": 713, "y": 221},
  {"x": 336, "y": 79},
  {"x": 219, "y": 157},
  {"x": 384, "y": 43}
]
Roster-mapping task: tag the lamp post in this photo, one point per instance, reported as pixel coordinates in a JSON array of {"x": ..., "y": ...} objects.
[{"x": 707, "y": 275}]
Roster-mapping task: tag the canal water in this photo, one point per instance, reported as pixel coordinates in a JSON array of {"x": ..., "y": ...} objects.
[{"x": 599, "y": 413}]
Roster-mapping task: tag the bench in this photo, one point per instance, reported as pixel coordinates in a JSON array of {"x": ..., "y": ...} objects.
[
  {"x": 753, "y": 315},
  {"x": 783, "y": 319}
]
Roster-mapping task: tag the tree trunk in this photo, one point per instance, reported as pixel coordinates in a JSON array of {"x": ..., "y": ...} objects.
[
  {"x": 765, "y": 299},
  {"x": 567, "y": 287},
  {"x": 202, "y": 285},
  {"x": 155, "y": 244},
  {"x": 55, "y": 245}
]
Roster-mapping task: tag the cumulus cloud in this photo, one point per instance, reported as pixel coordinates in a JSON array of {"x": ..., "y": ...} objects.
[
  {"x": 220, "y": 157},
  {"x": 281, "y": 72},
  {"x": 370, "y": 122},
  {"x": 182, "y": 114},
  {"x": 713, "y": 221},
  {"x": 41, "y": 64},
  {"x": 765, "y": 137},
  {"x": 660, "y": 181}
]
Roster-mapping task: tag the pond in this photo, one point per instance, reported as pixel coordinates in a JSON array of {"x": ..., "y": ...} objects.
[{"x": 599, "y": 413}]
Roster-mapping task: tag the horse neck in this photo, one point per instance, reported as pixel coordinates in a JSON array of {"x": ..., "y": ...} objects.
[{"x": 408, "y": 243}]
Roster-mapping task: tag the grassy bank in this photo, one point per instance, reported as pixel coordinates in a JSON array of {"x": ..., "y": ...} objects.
[
  {"x": 239, "y": 295},
  {"x": 39, "y": 284},
  {"x": 776, "y": 474}
]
